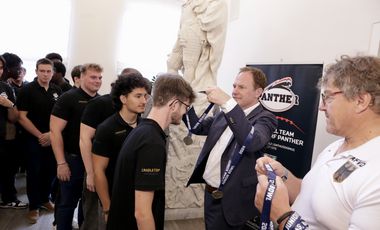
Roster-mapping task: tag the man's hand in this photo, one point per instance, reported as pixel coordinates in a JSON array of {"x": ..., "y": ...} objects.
[
  {"x": 217, "y": 96},
  {"x": 90, "y": 182},
  {"x": 277, "y": 167},
  {"x": 63, "y": 172},
  {"x": 6, "y": 102},
  {"x": 44, "y": 139},
  {"x": 280, "y": 200}
]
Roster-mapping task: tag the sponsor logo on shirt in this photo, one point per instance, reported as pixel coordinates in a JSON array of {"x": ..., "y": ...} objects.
[
  {"x": 347, "y": 168},
  {"x": 55, "y": 95},
  {"x": 150, "y": 170}
]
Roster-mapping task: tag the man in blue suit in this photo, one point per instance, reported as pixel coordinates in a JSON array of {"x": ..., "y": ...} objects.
[{"x": 235, "y": 138}]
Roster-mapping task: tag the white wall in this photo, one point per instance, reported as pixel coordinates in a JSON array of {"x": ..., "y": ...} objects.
[
  {"x": 297, "y": 31},
  {"x": 274, "y": 31}
]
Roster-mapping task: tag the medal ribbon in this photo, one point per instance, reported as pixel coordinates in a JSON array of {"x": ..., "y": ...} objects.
[
  {"x": 265, "y": 214},
  {"x": 201, "y": 118},
  {"x": 235, "y": 159}
]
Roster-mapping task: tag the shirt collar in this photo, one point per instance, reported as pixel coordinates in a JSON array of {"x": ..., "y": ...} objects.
[{"x": 250, "y": 109}]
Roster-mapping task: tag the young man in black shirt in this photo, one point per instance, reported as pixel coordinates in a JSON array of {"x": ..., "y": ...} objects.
[
  {"x": 8, "y": 116},
  {"x": 35, "y": 102},
  {"x": 138, "y": 194},
  {"x": 95, "y": 113},
  {"x": 64, "y": 127},
  {"x": 129, "y": 95},
  {"x": 8, "y": 113}
]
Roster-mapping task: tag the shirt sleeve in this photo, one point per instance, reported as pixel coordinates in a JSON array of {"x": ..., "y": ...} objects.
[
  {"x": 102, "y": 145},
  {"x": 91, "y": 116},
  {"x": 11, "y": 94},
  {"x": 229, "y": 105},
  {"x": 150, "y": 168},
  {"x": 23, "y": 100},
  {"x": 61, "y": 108}
]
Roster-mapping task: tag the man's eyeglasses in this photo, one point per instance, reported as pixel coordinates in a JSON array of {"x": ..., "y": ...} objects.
[
  {"x": 329, "y": 96},
  {"x": 187, "y": 106}
]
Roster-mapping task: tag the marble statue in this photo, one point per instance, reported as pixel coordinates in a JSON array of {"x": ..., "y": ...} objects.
[{"x": 196, "y": 55}]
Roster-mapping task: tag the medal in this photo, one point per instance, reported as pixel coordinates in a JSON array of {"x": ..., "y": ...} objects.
[
  {"x": 187, "y": 140},
  {"x": 217, "y": 194}
]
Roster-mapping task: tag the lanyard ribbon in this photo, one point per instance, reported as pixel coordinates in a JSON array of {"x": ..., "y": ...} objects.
[
  {"x": 201, "y": 118},
  {"x": 232, "y": 163},
  {"x": 265, "y": 214}
]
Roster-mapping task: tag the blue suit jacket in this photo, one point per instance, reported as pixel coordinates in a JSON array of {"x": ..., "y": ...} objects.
[{"x": 240, "y": 188}]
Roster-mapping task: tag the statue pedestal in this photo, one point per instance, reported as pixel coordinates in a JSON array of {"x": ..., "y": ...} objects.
[
  {"x": 183, "y": 213},
  {"x": 182, "y": 202}
]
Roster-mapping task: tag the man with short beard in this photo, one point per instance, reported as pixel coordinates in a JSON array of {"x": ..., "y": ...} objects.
[{"x": 138, "y": 194}]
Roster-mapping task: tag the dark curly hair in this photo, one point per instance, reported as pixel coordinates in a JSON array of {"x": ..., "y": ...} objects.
[
  {"x": 125, "y": 84},
  {"x": 12, "y": 66}
]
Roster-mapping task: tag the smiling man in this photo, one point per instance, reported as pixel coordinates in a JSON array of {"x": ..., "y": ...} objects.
[
  {"x": 65, "y": 126},
  {"x": 242, "y": 124},
  {"x": 341, "y": 190}
]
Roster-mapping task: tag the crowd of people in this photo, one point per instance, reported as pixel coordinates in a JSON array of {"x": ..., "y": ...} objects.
[{"x": 106, "y": 155}]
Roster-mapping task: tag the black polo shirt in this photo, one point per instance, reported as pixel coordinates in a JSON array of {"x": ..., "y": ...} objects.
[
  {"x": 109, "y": 138},
  {"x": 17, "y": 88},
  {"x": 141, "y": 166},
  {"x": 65, "y": 86},
  {"x": 98, "y": 110},
  {"x": 5, "y": 91},
  {"x": 38, "y": 102},
  {"x": 70, "y": 107}
]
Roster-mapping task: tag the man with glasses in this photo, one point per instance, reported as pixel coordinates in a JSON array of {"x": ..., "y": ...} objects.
[
  {"x": 138, "y": 195},
  {"x": 341, "y": 191}
]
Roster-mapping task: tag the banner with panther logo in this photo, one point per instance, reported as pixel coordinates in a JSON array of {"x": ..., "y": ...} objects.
[{"x": 292, "y": 95}]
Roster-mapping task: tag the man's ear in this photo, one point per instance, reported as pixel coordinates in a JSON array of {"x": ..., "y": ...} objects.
[
  {"x": 258, "y": 92},
  {"x": 363, "y": 102},
  {"x": 160, "y": 100},
  {"x": 123, "y": 99}
]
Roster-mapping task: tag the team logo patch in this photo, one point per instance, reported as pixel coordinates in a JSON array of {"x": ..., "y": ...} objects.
[
  {"x": 278, "y": 97},
  {"x": 55, "y": 95},
  {"x": 348, "y": 168}
]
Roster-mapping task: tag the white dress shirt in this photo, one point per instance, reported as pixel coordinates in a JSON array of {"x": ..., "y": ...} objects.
[{"x": 212, "y": 171}]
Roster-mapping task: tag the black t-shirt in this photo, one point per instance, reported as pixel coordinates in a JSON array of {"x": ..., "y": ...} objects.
[
  {"x": 65, "y": 86},
  {"x": 108, "y": 140},
  {"x": 141, "y": 166},
  {"x": 98, "y": 110},
  {"x": 5, "y": 91},
  {"x": 39, "y": 103},
  {"x": 69, "y": 107},
  {"x": 17, "y": 88}
]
